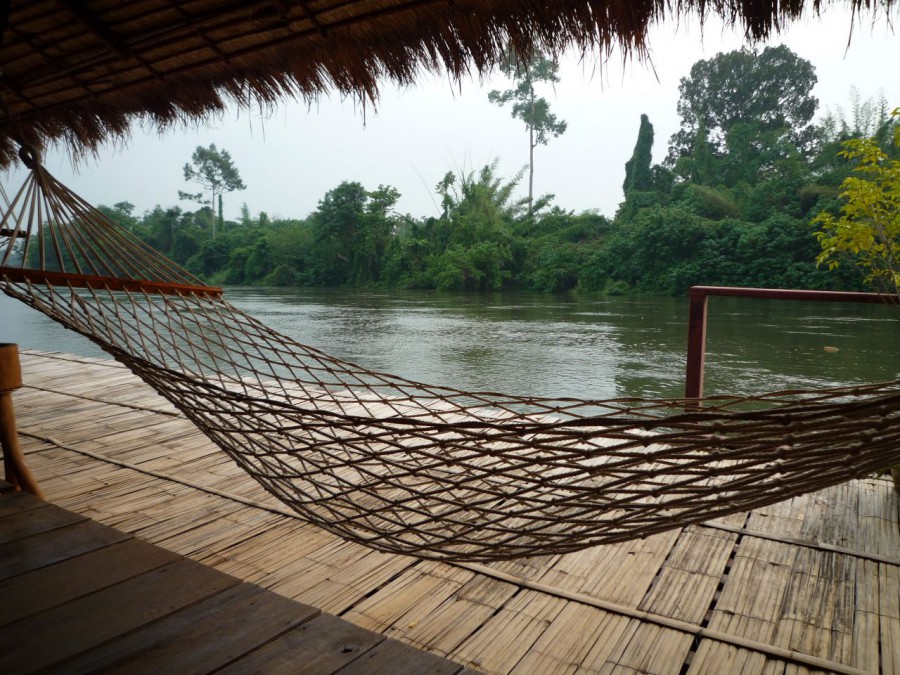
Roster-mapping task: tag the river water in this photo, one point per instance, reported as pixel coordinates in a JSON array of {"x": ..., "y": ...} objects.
[{"x": 534, "y": 344}]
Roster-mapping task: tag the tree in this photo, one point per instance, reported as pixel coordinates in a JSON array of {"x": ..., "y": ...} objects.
[
  {"x": 216, "y": 173},
  {"x": 864, "y": 119},
  {"x": 639, "y": 185},
  {"x": 868, "y": 229},
  {"x": 480, "y": 206},
  {"x": 160, "y": 226},
  {"x": 527, "y": 106},
  {"x": 638, "y": 175},
  {"x": 122, "y": 213},
  {"x": 352, "y": 230},
  {"x": 771, "y": 90}
]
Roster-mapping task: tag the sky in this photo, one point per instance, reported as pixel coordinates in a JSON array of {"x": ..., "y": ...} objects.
[{"x": 290, "y": 157}]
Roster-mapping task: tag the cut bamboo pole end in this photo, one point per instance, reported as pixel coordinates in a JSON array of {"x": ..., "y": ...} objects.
[
  {"x": 17, "y": 472},
  {"x": 10, "y": 368}
]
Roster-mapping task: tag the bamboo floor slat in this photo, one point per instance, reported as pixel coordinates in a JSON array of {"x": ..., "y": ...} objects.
[
  {"x": 811, "y": 584},
  {"x": 80, "y": 597}
]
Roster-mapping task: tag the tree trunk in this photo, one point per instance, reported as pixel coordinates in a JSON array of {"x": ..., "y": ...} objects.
[
  {"x": 531, "y": 153},
  {"x": 212, "y": 209},
  {"x": 221, "y": 220}
]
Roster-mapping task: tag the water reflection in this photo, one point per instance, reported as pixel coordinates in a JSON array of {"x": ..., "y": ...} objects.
[
  {"x": 30, "y": 329},
  {"x": 784, "y": 343},
  {"x": 556, "y": 346}
]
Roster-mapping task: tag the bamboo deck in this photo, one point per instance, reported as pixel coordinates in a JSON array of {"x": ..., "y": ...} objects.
[
  {"x": 80, "y": 597},
  {"x": 808, "y": 585}
]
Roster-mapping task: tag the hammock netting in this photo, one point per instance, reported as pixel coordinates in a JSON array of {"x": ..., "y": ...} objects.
[{"x": 411, "y": 468}]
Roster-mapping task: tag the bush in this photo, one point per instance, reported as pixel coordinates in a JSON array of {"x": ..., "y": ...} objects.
[
  {"x": 282, "y": 275},
  {"x": 710, "y": 203},
  {"x": 616, "y": 288}
]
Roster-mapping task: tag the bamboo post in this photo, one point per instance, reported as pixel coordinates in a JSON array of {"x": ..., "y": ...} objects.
[{"x": 17, "y": 472}]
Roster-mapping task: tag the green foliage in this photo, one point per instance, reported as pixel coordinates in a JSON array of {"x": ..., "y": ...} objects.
[
  {"x": 709, "y": 202},
  {"x": 121, "y": 213},
  {"x": 870, "y": 118},
  {"x": 283, "y": 275},
  {"x": 527, "y": 106},
  {"x": 259, "y": 262},
  {"x": 769, "y": 90},
  {"x": 699, "y": 166},
  {"x": 185, "y": 245},
  {"x": 644, "y": 184},
  {"x": 479, "y": 267},
  {"x": 478, "y": 244},
  {"x": 868, "y": 229},
  {"x": 638, "y": 175},
  {"x": 212, "y": 257},
  {"x": 215, "y": 172},
  {"x": 351, "y": 232},
  {"x": 556, "y": 267}
]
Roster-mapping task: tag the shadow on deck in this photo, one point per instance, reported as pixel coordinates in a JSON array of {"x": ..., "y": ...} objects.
[{"x": 81, "y": 597}]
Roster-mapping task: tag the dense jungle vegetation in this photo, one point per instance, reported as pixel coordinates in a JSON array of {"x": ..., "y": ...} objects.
[{"x": 731, "y": 204}]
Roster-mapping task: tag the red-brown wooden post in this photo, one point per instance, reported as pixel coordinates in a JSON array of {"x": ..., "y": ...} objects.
[
  {"x": 17, "y": 472},
  {"x": 696, "y": 353}
]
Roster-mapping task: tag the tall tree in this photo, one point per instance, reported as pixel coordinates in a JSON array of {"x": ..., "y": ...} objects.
[
  {"x": 638, "y": 174},
  {"x": 527, "y": 105},
  {"x": 214, "y": 170},
  {"x": 771, "y": 90},
  {"x": 639, "y": 184}
]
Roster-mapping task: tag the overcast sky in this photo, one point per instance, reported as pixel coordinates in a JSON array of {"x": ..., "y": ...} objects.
[{"x": 290, "y": 158}]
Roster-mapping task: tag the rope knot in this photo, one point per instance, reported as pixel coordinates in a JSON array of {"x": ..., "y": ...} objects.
[{"x": 30, "y": 157}]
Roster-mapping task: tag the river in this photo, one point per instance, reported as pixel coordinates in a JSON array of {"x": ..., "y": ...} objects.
[{"x": 533, "y": 344}]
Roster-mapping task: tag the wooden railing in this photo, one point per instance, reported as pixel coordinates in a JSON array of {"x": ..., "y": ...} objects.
[{"x": 699, "y": 296}]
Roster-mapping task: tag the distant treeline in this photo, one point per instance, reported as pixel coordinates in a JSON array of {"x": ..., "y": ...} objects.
[{"x": 731, "y": 204}]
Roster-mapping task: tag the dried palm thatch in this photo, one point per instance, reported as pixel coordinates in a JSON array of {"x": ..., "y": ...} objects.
[
  {"x": 413, "y": 468},
  {"x": 83, "y": 71}
]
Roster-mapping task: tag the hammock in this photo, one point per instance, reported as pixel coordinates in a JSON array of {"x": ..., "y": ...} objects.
[{"x": 410, "y": 468}]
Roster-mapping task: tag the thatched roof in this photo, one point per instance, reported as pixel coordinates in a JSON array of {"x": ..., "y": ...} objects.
[{"x": 84, "y": 70}]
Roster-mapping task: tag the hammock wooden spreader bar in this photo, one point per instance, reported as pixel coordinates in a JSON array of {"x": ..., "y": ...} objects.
[
  {"x": 109, "y": 283},
  {"x": 55, "y": 237},
  {"x": 419, "y": 469}
]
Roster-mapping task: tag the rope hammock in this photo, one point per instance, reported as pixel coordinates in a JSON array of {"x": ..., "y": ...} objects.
[{"x": 425, "y": 470}]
